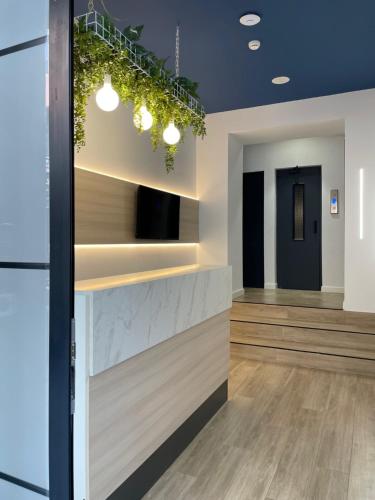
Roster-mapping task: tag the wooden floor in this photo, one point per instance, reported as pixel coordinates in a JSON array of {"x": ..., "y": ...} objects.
[
  {"x": 301, "y": 298},
  {"x": 287, "y": 433}
]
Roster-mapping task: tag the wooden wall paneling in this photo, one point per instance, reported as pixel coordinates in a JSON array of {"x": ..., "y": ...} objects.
[
  {"x": 135, "y": 406},
  {"x": 105, "y": 208},
  {"x": 105, "y": 211}
]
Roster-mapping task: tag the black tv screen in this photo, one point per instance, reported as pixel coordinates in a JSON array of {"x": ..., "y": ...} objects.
[{"x": 158, "y": 215}]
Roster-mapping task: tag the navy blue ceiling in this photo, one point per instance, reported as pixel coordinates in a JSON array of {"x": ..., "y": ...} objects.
[{"x": 324, "y": 46}]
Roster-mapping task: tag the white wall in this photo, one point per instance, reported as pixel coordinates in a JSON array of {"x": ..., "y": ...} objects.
[
  {"x": 329, "y": 153},
  {"x": 212, "y": 192},
  {"x": 360, "y": 254},
  {"x": 114, "y": 147},
  {"x": 235, "y": 162},
  {"x": 357, "y": 111}
]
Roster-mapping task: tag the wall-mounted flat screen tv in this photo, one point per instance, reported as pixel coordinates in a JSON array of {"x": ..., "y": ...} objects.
[{"x": 158, "y": 215}]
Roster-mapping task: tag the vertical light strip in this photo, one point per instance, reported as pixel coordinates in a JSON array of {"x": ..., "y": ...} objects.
[{"x": 361, "y": 185}]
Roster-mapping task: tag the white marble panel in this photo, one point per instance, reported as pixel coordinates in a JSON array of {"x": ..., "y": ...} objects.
[{"x": 129, "y": 319}]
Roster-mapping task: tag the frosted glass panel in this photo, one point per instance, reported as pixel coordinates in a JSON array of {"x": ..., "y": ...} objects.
[
  {"x": 24, "y": 332},
  {"x": 9, "y": 491},
  {"x": 22, "y": 20},
  {"x": 24, "y": 204},
  {"x": 24, "y": 240},
  {"x": 298, "y": 212}
]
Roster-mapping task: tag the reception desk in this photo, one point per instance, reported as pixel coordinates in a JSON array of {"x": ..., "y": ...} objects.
[{"x": 152, "y": 366}]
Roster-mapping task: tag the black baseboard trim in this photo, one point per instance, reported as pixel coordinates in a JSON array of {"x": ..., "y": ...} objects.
[{"x": 138, "y": 484}]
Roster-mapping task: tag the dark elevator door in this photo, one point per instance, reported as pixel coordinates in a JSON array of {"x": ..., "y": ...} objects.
[
  {"x": 253, "y": 229},
  {"x": 299, "y": 214}
]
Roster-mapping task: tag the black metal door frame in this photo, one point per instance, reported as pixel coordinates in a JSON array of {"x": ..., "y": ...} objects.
[{"x": 61, "y": 250}]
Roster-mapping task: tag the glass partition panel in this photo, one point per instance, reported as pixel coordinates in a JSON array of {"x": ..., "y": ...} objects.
[{"x": 24, "y": 250}]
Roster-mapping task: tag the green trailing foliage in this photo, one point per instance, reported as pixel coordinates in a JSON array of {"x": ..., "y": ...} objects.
[{"x": 93, "y": 59}]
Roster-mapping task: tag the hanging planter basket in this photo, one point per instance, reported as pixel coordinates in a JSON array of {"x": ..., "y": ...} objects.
[{"x": 138, "y": 77}]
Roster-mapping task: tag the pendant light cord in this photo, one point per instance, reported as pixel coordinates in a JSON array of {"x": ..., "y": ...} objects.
[
  {"x": 113, "y": 18},
  {"x": 177, "y": 65}
]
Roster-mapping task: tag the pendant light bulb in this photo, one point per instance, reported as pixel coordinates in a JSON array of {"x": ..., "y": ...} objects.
[
  {"x": 143, "y": 119},
  {"x": 171, "y": 134},
  {"x": 106, "y": 97}
]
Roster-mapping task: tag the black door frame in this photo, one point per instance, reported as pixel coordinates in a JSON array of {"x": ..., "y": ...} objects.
[{"x": 61, "y": 250}]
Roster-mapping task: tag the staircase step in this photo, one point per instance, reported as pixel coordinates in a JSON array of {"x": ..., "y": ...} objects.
[
  {"x": 306, "y": 317},
  {"x": 327, "y": 362},
  {"x": 341, "y": 343}
]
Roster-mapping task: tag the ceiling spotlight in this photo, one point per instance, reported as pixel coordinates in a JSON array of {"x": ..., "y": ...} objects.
[
  {"x": 254, "y": 45},
  {"x": 280, "y": 80},
  {"x": 250, "y": 19}
]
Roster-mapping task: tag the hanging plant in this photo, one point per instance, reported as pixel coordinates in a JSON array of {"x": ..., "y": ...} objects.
[{"x": 151, "y": 88}]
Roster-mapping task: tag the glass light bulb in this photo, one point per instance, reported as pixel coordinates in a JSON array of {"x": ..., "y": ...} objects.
[
  {"x": 143, "y": 119},
  {"x": 106, "y": 98},
  {"x": 171, "y": 134}
]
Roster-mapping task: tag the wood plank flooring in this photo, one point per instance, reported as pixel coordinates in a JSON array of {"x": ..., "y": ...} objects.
[
  {"x": 287, "y": 433},
  {"x": 301, "y": 298}
]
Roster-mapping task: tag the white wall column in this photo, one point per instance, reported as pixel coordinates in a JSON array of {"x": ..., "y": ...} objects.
[
  {"x": 360, "y": 253},
  {"x": 235, "y": 180}
]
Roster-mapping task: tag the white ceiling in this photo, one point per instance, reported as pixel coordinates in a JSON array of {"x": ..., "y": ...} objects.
[{"x": 299, "y": 131}]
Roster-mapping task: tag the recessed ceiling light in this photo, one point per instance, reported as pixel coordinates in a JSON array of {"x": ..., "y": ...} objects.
[
  {"x": 280, "y": 80},
  {"x": 250, "y": 19},
  {"x": 254, "y": 45}
]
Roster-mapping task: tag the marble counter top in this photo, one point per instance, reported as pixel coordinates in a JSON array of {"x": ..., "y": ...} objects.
[
  {"x": 128, "y": 314},
  {"x": 133, "y": 278}
]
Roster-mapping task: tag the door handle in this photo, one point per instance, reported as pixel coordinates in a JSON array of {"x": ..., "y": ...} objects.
[{"x": 315, "y": 227}]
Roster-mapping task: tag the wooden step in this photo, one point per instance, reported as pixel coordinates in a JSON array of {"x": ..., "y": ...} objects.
[
  {"x": 306, "y": 317},
  {"x": 341, "y": 343},
  {"x": 327, "y": 362}
]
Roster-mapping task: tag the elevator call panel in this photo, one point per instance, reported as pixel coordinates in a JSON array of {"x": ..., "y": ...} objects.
[{"x": 334, "y": 203}]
